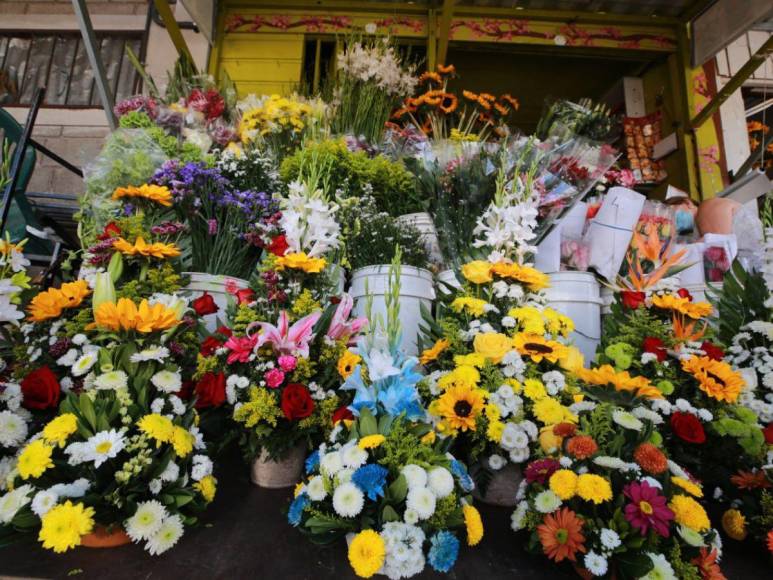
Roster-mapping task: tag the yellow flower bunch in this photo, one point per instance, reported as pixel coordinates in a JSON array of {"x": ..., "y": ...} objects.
[
  {"x": 35, "y": 459},
  {"x": 52, "y": 302},
  {"x": 59, "y": 429},
  {"x": 605, "y": 375},
  {"x": 461, "y": 376},
  {"x": 367, "y": 553},
  {"x": 473, "y": 359},
  {"x": 715, "y": 378},
  {"x": 689, "y": 513},
  {"x": 141, "y": 248},
  {"x": 537, "y": 348},
  {"x": 556, "y": 323},
  {"x": 157, "y": 193},
  {"x": 126, "y": 315},
  {"x": 477, "y": 272},
  {"x": 551, "y": 412},
  {"x": 207, "y": 487},
  {"x": 474, "y": 306},
  {"x": 529, "y": 319},
  {"x": 274, "y": 114},
  {"x": 261, "y": 407},
  {"x": 305, "y": 304},
  {"x": 162, "y": 430},
  {"x": 474, "y": 525},
  {"x": 371, "y": 441},
  {"x": 300, "y": 261}
]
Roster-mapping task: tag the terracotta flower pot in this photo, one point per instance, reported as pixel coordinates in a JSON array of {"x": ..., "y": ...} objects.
[
  {"x": 286, "y": 472},
  {"x": 503, "y": 487},
  {"x": 102, "y": 538}
]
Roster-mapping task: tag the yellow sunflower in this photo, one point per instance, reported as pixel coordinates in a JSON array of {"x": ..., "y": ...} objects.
[
  {"x": 347, "y": 363},
  {"x": 300, "y": 261},
  {"x": 531, "y": 277},
  {"x": 538, "y": 348},
  {"x": 50, "y": 303},
  {"x": 460, "y": 406},
  {"x": 715, "y": 378},
  {"x": 694, "y": 310},
  {"x": 431, "y": 354},
  {"x": 158, "y": 193},
  {"x": 141, "y": 248},
  {"x": 126, "y": 315},
  {"x": 605, "y": 376}
]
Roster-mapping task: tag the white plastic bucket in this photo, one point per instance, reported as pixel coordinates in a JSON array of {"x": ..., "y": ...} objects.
[
  {"x": 447, "y": 277},
  {"x": 416, "y": 288},
  {"x": 607, "y": 299},
  {"x": 576, "y": 294},
  {"x": 218, "y": 287},
  {"x": 423, "y": 222}
]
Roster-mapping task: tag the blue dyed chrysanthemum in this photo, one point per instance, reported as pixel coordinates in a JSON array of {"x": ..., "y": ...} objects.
[
  {"x": 296, "y": 509},
  {"x": 371, "y": 480},
  {"x": 460, "y": 471},
  {"x": 312, "y": 461},
  {"x": 443, "y": 551}
]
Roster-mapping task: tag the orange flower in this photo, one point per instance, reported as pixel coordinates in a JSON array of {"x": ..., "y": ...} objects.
[
  {"x": 513, "y": 102},
  {"x": 142, "y": 248},
  {"x": 501, "y": 109},
  {"x": 488, "y": 97},
  {"x": 158, "y": 193},
  {"x": 605, "y": 375},
  {"x": 449, "y": 103},
  {"x": 754, "y": 126},
  {"x": 687, "y": 331},
  {"x": 581, "y": 446},
  {"x": 564, "y": 429},
  {"x": 770, "y": 541},
  {"x": 469, "y": 95},
  {"x": 715, "y": 378},
  {"x": 707, "y": 565},
  {"x": 484, "y": 103},
  {"x": 431, "y": 77},
  {"x": 533, "y": 278},
  {"x": 650, "y": 458},
  {"x": 446, "y": 70},
  {"x": 52, "y": 302},
  {"x": 750, "y": 480},
  {"x": 126, "y": 315},
  {"x": 561, "y": 535}
]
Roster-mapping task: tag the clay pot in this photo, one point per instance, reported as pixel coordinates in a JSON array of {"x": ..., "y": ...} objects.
[
  {"x": 503, "y": 487},
  {"x": 102, "y": 538},
  {"x": 286, "y": 472}
]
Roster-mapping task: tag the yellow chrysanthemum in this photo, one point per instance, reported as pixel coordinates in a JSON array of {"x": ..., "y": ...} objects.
[
  {"x": 63, "y": 526},
  {"x": 534, "y": 389},
  {"x": 549, "y": 442},
  {"x": 595, "y": 488},
  {"x": 431, "y": 354},
  {"x": 533, "y": 279},
  {"x": 472, "y": 359},
  {"x": 157, "y": 193},
  {"x": 494, "y": 431},
  {"x": 60, "y": 428},
  {"x": 550, "y": 412},
  {"x": 689, "y": 513},
  {"x": 157, "y": 427},
  {"x": 474, "y": 525},
  {"x": 692, "y": 488},
  {"x": 182, "y": 441},
  {"x": 605, "y": 376},
  {"x": 35, "y": 459},
  {"x": 572, "y": 360},
  {"x": 126, "y": 315},
  {"x": 461, "y": 376},
  {"x": 529, "y": 319},
  {"x": 367, "y": 553},
  {"x": 557, "y": 323},
  {"x": 300, "y": 261},
  {"x": 564, "y": 483},
  {"x": 474, "y": 306},
  {"x": 715, "y": 378},
  {"x": 460, "y": 406},
  {"x": 492, "y": 345},
  {"x": 734, "y": 524},
  {"x": 50, "y": 303},
  {"x": 477, "y": 272},
  {"x": 371, "y": 441},
  {"x": 141, "y": 248},
  {"x": 537, "y": 348},
  {"x": 207, "y": 487},
  {"x": 347, "y": 363}
]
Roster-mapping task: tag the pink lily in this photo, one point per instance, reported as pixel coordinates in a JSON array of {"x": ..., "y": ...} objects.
[
  {"x": 241, "y": 348},
  {"x": 340, "y": 325},
  {"x": 287, "y": 339}
]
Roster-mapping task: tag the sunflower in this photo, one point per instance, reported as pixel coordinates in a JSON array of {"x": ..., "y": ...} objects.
[
  {"x": 431, "y": 354},
  {"x": 448, "y": 103},
  {"x": 126, "y": 315},
  {"x": 605, "y": 376},
  {"x": 157, "y": 193},
  {"x": 561, "y": 535},
  {"x": 446, "y": 70},
  {"x": 460, "y": 406},
  {"x": 431, "y": 77},
  {"x": 141, "y": 248},
  {"x": 300, "y": 261},
  {"x": 469, "y": 95},
  {"x": 483, "y": 103},
  {"x": 715, "y": 378},
  {"x": 538, "y": 348},
  {"x": 347, "y": 363},
  {"x": 531, "y": 277},
  {"x": 694, "y": 310},
  {"x": 52, "y": 302}
]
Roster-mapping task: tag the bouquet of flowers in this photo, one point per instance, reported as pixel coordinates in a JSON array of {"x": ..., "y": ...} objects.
[{"x": 611, "y": 502}]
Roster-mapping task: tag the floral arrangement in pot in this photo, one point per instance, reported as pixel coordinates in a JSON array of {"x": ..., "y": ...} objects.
[{"x": 611, "y": 503}]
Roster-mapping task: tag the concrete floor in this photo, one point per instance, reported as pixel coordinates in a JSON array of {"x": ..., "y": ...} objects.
[{"x": 245, "y": 535}]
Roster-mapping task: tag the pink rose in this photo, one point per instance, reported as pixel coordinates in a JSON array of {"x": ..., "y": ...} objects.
[
  {"x": 288, "y": 363},
  {"x": 274, "y": 378}
]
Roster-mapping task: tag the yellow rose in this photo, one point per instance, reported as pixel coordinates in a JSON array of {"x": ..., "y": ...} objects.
[
  {"x": 477, "y": 272},
  {"x": 492, "y": 345}
]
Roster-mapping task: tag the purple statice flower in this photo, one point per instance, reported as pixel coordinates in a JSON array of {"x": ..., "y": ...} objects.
[
  {"x": 190, "y": 181},
  {"x": 212, "y": 227},
  {"x": 128, "y": 209},
  {"x": 60, "y": 347},
  {"x": 168, "y": 228}
]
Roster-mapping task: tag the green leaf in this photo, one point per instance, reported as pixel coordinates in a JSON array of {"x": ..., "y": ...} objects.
[
  {"x": 367, "y": 422},
  {"x": 633, "y": 565},
  {"x": 87, "y": 410},
  {"x": 181, "y": 500},
  {"x": 388, "y": 514},
  {"x": 398, "y": 490}
]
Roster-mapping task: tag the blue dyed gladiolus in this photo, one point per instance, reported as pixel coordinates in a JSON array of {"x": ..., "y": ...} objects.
[
  {"x": 312, "y": 461},
  {"x": 296, "y": 509},
  {"x": 444, "y": 549},
  {"x": 371, "y": 480}
]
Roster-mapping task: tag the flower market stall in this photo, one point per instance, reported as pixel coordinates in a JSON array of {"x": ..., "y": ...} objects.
[{"x": 387, "y": 301}]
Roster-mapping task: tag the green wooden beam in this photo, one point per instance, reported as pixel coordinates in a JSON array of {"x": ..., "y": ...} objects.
[
  {"x": 734, "y": 83},
  {"x": 444, "y": 30},
  {"x": 175, "y": 34}
]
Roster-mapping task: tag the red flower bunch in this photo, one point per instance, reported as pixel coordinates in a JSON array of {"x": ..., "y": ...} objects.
[
  {"x": 655, "y": 346},
  {"x": 210, "y": 391},
  {"x": 211, "y": 103},
  {"x": 205, "y": 304}
]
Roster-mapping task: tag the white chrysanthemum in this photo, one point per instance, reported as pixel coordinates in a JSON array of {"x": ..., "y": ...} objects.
[
  {"x": 422, "y": 501},
  {"x": 80, "y": 339},
  {"x": 202, "y": 467},
  {"x": 84, "y": 364},
  {"x": 11, "y": 395},
  {"x": 519, "y": 455},
  {"x": 677, "y": 470},
  {"x": 609, "y": 462},
  {"x": 7, "y": 465},
  {"x": 627, "y": 420},
  {"x": 647, "y": 415},
  {"x": 167, "y": 381},
  {"x": 76, "y": 489},
  {"x": 331, "y": 463},
  {"x": 166, "y": 537},
  {"x": 43, "y": 502},
  {"x": 440, "y": 482},
  {"x": 178, "y": 407},
  {"x": 68, "y": 359},
  {"x": 170, "y": 473},
  {"x": 103, "y": 446},
  {"x": 513, "y": 437},
  {"x": 690, "y": 536},
  {"x": 595, "y": 563},
  {"x": 610, "y": 539},
  {"x": 12, "y": 502},
  {"x": 496, "y": 462},
  {"x": 661, "y": 570},
  {"x": 155, "y": 486},
  {"x": 348, "y": 500},
  {"x": 414, "y": 475},
  {"x": 157, "y": 406},
  {"x": 77, "y": 453},
  {"x": 518, "y": 516},
  {"x": 344, "y": 476},
  {"x": 146, "y": 521},
  {"x": 353, "y": 457},
  {"x": 111, "y": 381},
  {"x": 547, "y": 502},
  {"x": 156, "y": 353},
  {"x": 13, "y": 429},
  {"x": 403, "y": 544},
  {"x": 315, "y": 489},
  {"x": 410, "y": 516},
  {"x": 566, "y": 462}
]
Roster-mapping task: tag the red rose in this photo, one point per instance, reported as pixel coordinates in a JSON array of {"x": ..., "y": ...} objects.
[
  {"x": 712, "y": 350},
  {"x": 224, "y": 331},
  {"x": 208, "y": 346},
  {"x": 210, "y": 391},
  {"x": 245, "y": 296},
  {"x": 41, "y": 389},
  {"x": 684, "y": 293},
  {"x": 632, "y": 300},
  {"x": 687, "y": 427},
  {"x": 768, "y": 433},
  {"x": 205, "y": 304},
  {"x": 296, "y": 402},
  {"x": 344, "y": 414},
  {"x": 278, "y": 245},
  {"x": 655, "y": 346}
]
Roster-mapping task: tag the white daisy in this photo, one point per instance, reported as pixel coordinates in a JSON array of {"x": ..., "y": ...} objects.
[
  {"x": 12, "y": 502},
  {"x": 167, "y": 381},
  {"x": 43, "y": 502},
  {"x": 353, "y": 457},
  {"x": 610, "y": 539},
  {"x": 166, "y": 537},
  {"x": 596, "y": 564},
  {"x": 315, "y": 488},
  {"x": 84, "y": 363},
  {"x": 496, "y": 462},
  {"x": 627, "y": 420},
  {"x": 422, "y": 501},
  {"x": 103, "y": 446},
  {"x": 111, "y": 381},
  {"x": 13, "y": 429},
  {"x": 414, "y": 475},
  {"x": 440, "y": 482},
  {"x": 146, "y": 521},
  {"x": 348, "y": 500},
  {"x": 547, "y": 502},
  {"x": 156, "y": 353}
]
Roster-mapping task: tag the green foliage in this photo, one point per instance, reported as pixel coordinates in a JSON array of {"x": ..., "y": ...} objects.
[
  {"x": 741, "y": 301},
  {"x": 402, "y": 447},
  {"x": 599, "y": 425},
  {"x": 163, "y": 279}
]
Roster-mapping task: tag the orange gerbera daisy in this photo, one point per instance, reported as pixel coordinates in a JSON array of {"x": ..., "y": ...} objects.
[
  {"x": 449, "y": 103},
  {"x": 750, "y": 480},
  {"x": 510, "y": 100},
  {"x": 561, "y": 535},
  {"x": 715, "y": 378},
  {"x": 430, "y": 76},
  {"x": 51, "y": 303},
  {"x": 141, "y": 248},
  {"x": 126, "y": 315},
  {"x": 433, "y": 353},
  {"x": 158, "y": 193},
  {"x": 446, "y": 70},
  {"x": 707, "y": 565}
]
